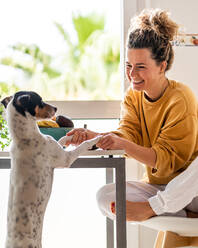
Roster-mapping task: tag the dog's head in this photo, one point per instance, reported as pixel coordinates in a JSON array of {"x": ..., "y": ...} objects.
[{"x": 31, "y": 102}]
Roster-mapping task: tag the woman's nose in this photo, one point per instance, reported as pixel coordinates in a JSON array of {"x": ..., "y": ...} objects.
[{"x": 133, "y": 72}]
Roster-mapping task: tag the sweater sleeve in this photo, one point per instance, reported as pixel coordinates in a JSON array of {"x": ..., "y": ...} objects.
[
  {"x": 172, "y": 198},
  {"x": 176, "y": 142},
  {"x": 129, "y": 126}
]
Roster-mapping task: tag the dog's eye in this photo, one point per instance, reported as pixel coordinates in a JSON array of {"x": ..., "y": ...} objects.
[{"x": 42, "y": 104}]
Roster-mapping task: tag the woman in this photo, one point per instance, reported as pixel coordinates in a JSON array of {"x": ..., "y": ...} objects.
[{"x": 159, "y": 117}]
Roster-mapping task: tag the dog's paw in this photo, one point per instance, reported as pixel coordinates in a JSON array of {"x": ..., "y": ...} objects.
[
  {"x": 63, "y": 141},
  {"x": 92, "y": 142}
]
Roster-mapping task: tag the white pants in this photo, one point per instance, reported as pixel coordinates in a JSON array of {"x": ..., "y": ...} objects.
[{"x": 136, "y": 192}]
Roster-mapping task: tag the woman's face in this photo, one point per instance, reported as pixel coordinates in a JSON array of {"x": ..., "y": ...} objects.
[{"x": 143, "y": 72}]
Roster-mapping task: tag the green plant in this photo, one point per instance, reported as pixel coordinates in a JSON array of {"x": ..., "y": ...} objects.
[{"x": 4, "y": 133}]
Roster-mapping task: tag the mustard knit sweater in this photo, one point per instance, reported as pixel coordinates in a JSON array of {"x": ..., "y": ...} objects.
[{"x": 168, "y": 125}]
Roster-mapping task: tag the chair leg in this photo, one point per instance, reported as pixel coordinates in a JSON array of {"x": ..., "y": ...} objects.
[
  {"x": 194, "y": 241},
  {"x": 159, "y": 240},
  {"x": 174, "y": 240}
]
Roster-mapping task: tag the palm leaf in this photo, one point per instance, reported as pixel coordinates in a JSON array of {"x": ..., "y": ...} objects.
[
  {"x": 64, "y": 33},
  {"x": 86, "y": 25},
  {"x": 34, "y": 51}
]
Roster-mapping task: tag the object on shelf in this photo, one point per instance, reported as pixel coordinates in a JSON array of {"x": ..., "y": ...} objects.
[
  {"x": 186, "y": 40},
  {"x": 57, "y": 121},
  {"x": 57, "y": 127},
  {"x": 55, "y": 132}
]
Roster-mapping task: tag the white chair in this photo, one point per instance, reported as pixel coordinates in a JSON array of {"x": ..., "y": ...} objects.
[{"x": 174, "y": 231}]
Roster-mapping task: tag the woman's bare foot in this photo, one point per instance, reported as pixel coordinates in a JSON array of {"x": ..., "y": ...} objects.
[{"x": 136, "y": 211}]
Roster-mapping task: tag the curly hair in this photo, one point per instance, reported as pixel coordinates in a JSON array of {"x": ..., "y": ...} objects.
[{"x": 153, "y": 29}]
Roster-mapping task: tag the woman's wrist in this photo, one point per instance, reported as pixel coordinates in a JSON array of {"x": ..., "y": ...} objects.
[
  {"x": 91, "y": 134},
  {"x": 124, "y": 144}
]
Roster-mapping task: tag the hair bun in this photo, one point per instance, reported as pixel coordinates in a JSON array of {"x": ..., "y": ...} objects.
[{"x": 156, "y": 20}]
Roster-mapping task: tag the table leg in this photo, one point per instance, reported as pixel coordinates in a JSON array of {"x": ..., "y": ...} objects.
[
  {"x": 109, "y": 222},
  {"x": 110, "y": 233},
  {"x": 121, "y": 207}
]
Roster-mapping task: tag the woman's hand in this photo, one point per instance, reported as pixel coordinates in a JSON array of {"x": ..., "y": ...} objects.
[
  {"x": 80, "y": 135},
  {"x": 111, "y": 141}
]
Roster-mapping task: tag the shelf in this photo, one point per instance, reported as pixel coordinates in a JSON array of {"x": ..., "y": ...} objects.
[{"x": 184, "y": 45}]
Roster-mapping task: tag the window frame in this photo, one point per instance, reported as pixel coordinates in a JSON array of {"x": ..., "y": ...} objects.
[{"x": 88, "y": 109}]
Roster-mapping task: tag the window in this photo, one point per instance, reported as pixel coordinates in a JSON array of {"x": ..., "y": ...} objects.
[
  {"x": 35, "y": 55},
  {"x": 64, "y": 50}
]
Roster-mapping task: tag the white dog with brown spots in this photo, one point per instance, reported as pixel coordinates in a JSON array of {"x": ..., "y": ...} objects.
[{"x": 33, "y": 159}]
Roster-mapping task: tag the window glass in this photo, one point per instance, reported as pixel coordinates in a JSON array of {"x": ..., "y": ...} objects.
[{"x": 61, "y": 49}]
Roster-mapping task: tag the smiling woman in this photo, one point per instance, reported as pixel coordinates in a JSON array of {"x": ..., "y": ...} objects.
[{"x": 158, "y": 125}]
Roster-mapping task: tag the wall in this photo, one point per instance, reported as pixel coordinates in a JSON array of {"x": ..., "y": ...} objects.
[
  {"x": 185, "y": 63},
  {"x": 183, "y": 11}
]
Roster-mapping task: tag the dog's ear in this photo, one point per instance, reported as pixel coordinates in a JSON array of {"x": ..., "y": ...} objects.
[
  {"x": 21, "y": 103},
  {"x": 6, "y": 100},
  {"x": 23, "y": 100}
]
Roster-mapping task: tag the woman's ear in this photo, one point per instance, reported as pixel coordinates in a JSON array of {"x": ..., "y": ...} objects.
[{"x": 163, "y": 66}]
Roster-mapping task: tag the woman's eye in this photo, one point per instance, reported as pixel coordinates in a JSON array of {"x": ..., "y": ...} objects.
[
  {"x": 128, "y": 66},
  {"x": 140, "y": 68}
]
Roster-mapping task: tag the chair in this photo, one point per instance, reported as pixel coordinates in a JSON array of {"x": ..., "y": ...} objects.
[{"x": 174, "y": 231}]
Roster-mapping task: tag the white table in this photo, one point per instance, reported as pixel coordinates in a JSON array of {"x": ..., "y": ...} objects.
[{"x": 102, "y": 159}]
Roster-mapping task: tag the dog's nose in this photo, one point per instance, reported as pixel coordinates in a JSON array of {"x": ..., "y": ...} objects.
[{"x": 55, "y": 109}]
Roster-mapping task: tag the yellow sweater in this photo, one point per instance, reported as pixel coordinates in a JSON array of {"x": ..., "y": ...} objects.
[{"x": 168, "y": 125}]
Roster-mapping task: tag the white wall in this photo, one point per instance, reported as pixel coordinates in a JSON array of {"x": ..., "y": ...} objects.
[
  {"x": 184, "y": 12},
  {"x": 185, "y": 66}
]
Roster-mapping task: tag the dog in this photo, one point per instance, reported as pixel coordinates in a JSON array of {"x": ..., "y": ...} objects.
[{"x": 33, "y": 159}]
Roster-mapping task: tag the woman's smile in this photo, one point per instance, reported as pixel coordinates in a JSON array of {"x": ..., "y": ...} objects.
[{"x": 137, "y": 82}]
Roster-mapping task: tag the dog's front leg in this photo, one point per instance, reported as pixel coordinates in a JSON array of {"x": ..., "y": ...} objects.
[{"x": 83, "y": 147}]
